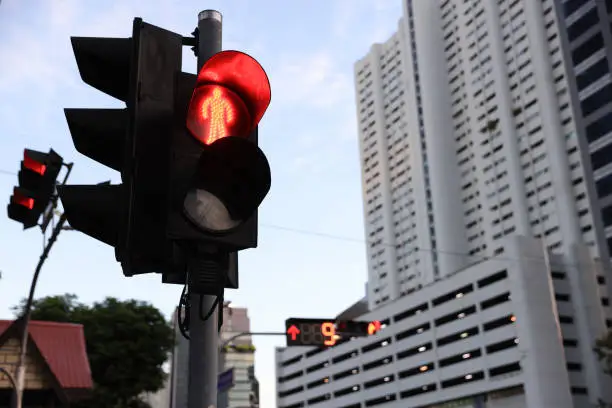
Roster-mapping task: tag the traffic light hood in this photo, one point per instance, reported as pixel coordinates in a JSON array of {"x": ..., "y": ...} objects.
[{"x": 232, "y": 94}]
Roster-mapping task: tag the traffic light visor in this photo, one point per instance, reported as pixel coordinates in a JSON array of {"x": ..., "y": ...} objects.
[
  {"x": 231, "y": 96},
  {"x": 31, "y": 162},
  {"x": 22, "y": 199}
]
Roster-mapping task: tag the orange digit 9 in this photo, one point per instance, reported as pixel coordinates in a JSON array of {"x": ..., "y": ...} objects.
[{"x": 329, "y": 332}]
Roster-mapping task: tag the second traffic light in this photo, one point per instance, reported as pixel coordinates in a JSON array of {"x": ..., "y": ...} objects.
[{"x": 37, "y": 178}]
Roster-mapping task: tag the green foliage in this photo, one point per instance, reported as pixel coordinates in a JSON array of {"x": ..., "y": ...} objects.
[
  {"x": 127, "y": 343},
  {"x": 603, "y": 349},
  {"x": 52, "y": 308}
]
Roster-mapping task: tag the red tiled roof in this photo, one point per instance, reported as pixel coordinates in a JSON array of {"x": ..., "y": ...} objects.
[{"x": 62, "y": 345}]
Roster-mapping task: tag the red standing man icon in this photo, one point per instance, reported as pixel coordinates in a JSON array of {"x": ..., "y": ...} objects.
[{"x": 220, "y": 113}]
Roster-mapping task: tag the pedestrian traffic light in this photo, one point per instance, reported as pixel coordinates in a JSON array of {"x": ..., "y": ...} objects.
[
  {"x": 219, "y": 174},
  {"x": 37, "y": 178},
  {"x": 186, "y": 146},
  {"x": 139, "y": 71}
]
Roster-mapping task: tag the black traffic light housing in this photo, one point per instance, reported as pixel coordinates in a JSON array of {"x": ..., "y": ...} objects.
[
  {"x": 37, "y": 180},
  {"x": 139, "y": 71},
  {"x": 230, "y": 174},
  {"x": 161, "y": 161},
  {"x": 188, "y": 161},
  {"x": 222, "y": 164}
]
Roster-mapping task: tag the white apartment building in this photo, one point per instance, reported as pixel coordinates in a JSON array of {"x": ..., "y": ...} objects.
[
  {"x": 480, "y": 123},
  {"x": 587, "y": 43},
  {"x": 467, "y": 135},
  {"x": 504, "y": 332}
]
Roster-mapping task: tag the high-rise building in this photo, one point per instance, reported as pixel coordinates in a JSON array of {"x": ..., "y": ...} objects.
[
  {"x": 179, "y": 367},
  {"x": 477, "y": 145},
  {"x": 586, "y": 40},
  {"x": 238, "y": 354},
  {"x": 468, "y": 133}
]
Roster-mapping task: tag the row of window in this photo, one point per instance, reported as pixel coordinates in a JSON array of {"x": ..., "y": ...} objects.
[
  {"x": 441, "y": 320},
  {"x": 502, "y": 370}
]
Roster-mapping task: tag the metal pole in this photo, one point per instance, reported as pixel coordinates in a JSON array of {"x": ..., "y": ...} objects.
[
  {"x": 242, "y": 334},
  {"x": 25, "y": 319},
  {"x": 203, "y": 335},
  {"x": 28, "y": 311}
]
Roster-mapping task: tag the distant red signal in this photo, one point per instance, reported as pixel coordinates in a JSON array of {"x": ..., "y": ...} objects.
[
  {"x": 32, "y": 164},
  {"x": 22, "y": 199},
  {"x": 231, "y": 96},
  {"x": 374, "y": 327}
]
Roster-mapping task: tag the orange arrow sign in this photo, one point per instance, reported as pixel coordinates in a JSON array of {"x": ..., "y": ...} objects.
[
  {"x": 293, "y": 331},
  {"x": 373, "y": 327}
]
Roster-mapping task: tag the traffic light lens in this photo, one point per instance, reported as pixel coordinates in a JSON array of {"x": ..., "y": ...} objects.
[
  {"x": 31, "y": 164},
  {"x": 216, "y": 112},
  {"x": 21, "y": 199},
  {"x": 207, "y": 211}
]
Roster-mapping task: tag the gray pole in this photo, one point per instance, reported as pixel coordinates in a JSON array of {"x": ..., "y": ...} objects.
[
  {"x": 203, "y": 335},
  {"x": 25, "y": 322},
  {"x": 25, "y": 319}
]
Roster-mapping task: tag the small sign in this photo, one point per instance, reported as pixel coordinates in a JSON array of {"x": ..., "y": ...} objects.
[{"x": 225, "y": 380}]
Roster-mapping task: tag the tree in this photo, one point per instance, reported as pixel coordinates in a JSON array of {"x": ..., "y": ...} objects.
[
  {"x": 603, "y": 349},
  {"x": 127, "y": 343},
  {"x": 60, "y": 309}
]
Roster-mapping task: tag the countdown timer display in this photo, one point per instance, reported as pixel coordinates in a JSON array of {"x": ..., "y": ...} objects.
[{"x": 326, "y": 332}]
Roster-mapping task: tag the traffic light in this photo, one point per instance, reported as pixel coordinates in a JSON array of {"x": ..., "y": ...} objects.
[
  {"x": 186, "y": 146},
  {"x": 219, "y": 175},
  {"x": 37, "y": 179},
  {"x": 326, "y": 332},
  {"x": 139, "y": 71}
]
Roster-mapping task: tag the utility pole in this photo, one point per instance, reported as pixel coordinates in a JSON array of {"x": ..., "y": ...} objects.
[
  {"x": 203, "y": 334},
  {"x": 25, "y": 319}
]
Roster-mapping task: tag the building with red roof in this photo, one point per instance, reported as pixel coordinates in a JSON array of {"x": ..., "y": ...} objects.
[{"x": 58, "y": 371}]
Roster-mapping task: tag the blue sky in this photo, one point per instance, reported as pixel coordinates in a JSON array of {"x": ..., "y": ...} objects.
[{"x": 308, "y": 48}]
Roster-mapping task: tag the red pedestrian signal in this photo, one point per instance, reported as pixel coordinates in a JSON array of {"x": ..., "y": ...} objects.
[{"x": 231, "y": 96}]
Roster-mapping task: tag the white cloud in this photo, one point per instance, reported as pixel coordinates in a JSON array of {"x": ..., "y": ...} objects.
[
  {"x": 26, "y": 60},
  {"x": 312, "y": 80},
  {"x": 345, "y": 13},
  {"x": 63, "y": 13}
]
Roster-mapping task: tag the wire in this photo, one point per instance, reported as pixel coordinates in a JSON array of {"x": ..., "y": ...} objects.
[
  {"x": 183, "y": 313},
  {"x": 212, "y": 308},
  {"x": 221, "y": 305},
  {"x": 8, "y": 173},
  {"x": 476, "y": 258}
]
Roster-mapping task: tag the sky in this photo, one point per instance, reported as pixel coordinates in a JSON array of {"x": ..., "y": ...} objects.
[{"x": 311, "y": 256}]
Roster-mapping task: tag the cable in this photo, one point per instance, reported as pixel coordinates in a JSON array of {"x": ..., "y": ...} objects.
[
  {"x": 183, "y": 313},
  {"x": 7, "y": 173},
  {"x": 212, "y": 308},
  {"x": 416, "y": 248},
  {"x": 220, "y": 321}
]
